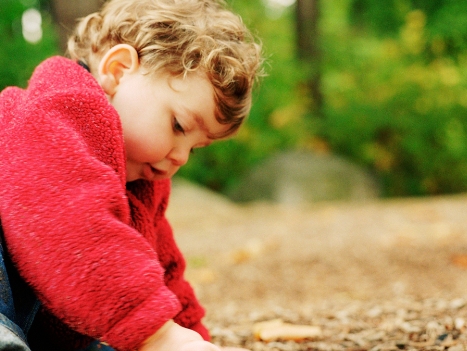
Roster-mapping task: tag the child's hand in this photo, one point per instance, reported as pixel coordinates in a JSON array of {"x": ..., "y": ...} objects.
[{"x": 174, "y": 337}]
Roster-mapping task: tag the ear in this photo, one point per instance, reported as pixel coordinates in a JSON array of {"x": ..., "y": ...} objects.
[{"x": 117, "y": 61}]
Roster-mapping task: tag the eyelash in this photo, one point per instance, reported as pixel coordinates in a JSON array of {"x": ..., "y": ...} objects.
[{"x": 177, "y": 127}]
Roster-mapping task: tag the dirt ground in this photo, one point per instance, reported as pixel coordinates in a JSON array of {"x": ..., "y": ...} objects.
[{"x": 382, "y": 275}]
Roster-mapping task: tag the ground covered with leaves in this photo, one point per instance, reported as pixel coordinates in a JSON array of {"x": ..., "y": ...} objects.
[{"x": 383, "y": 275}]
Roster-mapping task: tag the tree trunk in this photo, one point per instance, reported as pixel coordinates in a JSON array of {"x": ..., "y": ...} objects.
[
  {"x": 307, "y": 17},
  {"x": 67, "y": 12}
]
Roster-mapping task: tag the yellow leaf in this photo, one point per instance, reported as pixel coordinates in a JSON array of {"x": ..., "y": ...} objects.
[{"x": 276, "y": 329}]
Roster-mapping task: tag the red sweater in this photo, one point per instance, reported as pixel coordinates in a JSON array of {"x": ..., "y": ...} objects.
[{"x": 99, "y": 253}]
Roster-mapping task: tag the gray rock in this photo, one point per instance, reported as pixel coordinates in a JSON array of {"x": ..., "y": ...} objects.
[{"x": 302, "y": 177}]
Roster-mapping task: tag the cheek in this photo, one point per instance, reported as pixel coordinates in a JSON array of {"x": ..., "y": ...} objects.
[
  {"x": 159, "y": 148},
  {"x": 152, "y": 146}
]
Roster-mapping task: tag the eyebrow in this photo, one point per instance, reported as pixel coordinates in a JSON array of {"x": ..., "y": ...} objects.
[{"x": 200, "y": 122}]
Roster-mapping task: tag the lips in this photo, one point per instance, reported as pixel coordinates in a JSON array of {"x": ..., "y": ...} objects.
[
  {"x": 151, "y": 173},
  {"x": 158, "y": 171}
]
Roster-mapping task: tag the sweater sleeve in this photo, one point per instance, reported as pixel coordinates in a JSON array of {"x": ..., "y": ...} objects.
[
  {"x": 66, "y": 221},
  {"x": 153, "y": 197}
]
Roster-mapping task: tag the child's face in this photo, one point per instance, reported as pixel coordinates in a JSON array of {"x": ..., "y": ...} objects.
[{"x": 163, "y": 118}]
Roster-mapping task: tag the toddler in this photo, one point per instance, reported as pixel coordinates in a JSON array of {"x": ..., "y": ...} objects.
[{"x": 87, "y": 151}]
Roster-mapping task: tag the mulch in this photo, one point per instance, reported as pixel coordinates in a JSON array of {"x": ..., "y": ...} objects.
[
  {"x": 382, "y": 275},
  {"x": 394, "y": 324}
]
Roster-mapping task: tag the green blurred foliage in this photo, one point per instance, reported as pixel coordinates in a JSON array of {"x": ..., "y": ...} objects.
[
  {"x": 18, "y": 58},
  {"x": 396, "y": 94}
]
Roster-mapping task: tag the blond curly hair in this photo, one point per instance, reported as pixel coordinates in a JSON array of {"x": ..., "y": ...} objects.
[{"x": 179, "y": 36}]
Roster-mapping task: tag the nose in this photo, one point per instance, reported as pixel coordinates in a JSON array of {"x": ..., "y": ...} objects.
[{"x": 179, "y": 156}]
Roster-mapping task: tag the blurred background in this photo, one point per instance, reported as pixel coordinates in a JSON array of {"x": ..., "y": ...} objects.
[{"x": 374, "y": 92}]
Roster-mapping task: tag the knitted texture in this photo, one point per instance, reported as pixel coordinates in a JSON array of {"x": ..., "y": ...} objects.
[{"x": 101, "y": 258}]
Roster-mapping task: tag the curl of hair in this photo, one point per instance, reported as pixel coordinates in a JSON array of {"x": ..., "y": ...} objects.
[{"x": 179, "y": 36}]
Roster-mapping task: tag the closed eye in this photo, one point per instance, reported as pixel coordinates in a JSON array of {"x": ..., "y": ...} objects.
[{"x": 177, "y": 127}]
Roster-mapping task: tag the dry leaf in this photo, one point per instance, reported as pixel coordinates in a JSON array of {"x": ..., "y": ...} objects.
[{"x": 276, "y": 329}]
